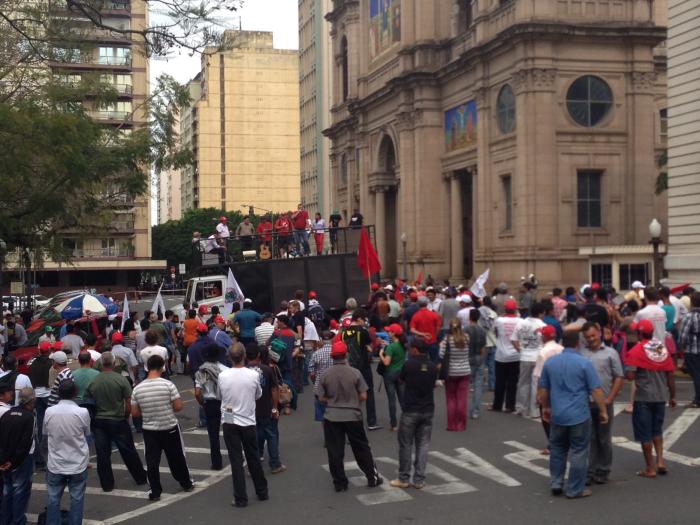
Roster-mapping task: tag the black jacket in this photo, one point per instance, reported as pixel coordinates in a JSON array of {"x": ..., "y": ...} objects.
[{"x": 16, "y": 435}]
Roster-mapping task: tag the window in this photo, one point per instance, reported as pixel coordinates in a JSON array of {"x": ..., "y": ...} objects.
[
  {"x": 344, "y": 66},
  {"x": 343, "y": 170},
  {"x": 588, "y": 197},
  {"x": 115, "y": 56},
  {"x": 505, "y": 109},
  {"x": 633, "y": 272},
  {"x": 508, "y": 202},
  {"x": 467, "y": 13},
  {"x": 207, "y": 290},
  {"x": 589, "y": 100},
  {"x": 602, "y": 273},
  {"x": 663, "y": 123}
]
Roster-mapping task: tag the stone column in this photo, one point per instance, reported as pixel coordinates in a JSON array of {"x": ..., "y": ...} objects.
[
  {"x": 456, "y": 233},
  {"x": 380, "y": 222}
]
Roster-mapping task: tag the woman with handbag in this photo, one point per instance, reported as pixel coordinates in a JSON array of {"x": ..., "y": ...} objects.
[
  {"x": 455, "y": 371},
  {"x": 392, "y": 358}
]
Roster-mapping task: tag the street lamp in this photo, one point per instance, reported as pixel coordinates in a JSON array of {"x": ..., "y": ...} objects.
[
  {"x": 655, "y": 232},
  {"x": 404, "y": 239}
]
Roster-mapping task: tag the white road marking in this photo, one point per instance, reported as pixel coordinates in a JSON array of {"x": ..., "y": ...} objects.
[
  {"x": 618, "y": 408},
  {"x": 34, "y": 518},
  {"x": 526, "y": 457},
  {"x": 676, "y": 429},
  {"x": 97, "y": 491},
  {"x": 193, "y": 471},
  {"x": 452, "y": 485},
  {"x": 382, "y": 494},
  {"x": 188, "y": 450},
  {"x": 470, "y": 461},
  {"x": 200, "y": 432},
  {"x": 623, "y": 442}
]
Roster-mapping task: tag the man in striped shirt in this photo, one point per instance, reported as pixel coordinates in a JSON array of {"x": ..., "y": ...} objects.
[
  {"x": 156, "y": 400},
  {"x": 264, "y": 331},
  {"x": 60, "y": 364}
]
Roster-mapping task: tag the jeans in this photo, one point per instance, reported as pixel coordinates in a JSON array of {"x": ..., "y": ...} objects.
[
  {"x": 42, "y": 404},
  {"x": 491, "y": 365},
  {"x": 478, "y": 382},
  {"x": 17, "y": 487},
  {"x": 369, "y": 404},
  {"x": 117, "y": 431},
  {"x": 692, "y": 363},
  {"x": 457, "y": 394},
  {"x": 301, "y": 239},
  {"x": 55, "y": 484},
  {"x": 243, "y": 440},
  {"x": 394, "y": 389},
  {"x": 335, "y": 433},
  {"x": 170, "y": 442},
  {"x": 526, "y": 399},
  {"x": 212, "y": 409},
  {"x": 572, "y": 442},
  {"x": 434, "y": 352},
  {"x": 506, "y": 385},
  {"x": 601, "y": 453},
  {"x": 267, "y": 430},
  {"x": 414, "y": 432}
]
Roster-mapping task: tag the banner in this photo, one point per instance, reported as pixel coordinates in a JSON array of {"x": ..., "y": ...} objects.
[
  {"x": 234, "y": 294},
  {"x": 125, "y": 312},
  {"x": 478, "y": 288}
]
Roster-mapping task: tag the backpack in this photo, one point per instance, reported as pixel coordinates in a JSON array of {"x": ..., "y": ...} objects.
[
  {"x": 357, "y": 356},
  {"x": 278, "y": 349},
  {"x": 317, "y": 316}
]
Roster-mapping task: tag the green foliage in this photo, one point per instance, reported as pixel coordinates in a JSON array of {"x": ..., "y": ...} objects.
[{"x": 172, "y": 240}]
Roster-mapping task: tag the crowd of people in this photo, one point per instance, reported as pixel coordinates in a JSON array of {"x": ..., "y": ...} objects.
[
  {"x": 560, "y": 357},
  {"x": 287, "y": 235}
]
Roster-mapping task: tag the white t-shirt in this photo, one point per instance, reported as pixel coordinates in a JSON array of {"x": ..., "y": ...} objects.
[
  {"x": 223, "y": 230},
  {"x": 239, "y": 389},
  {"x": 657, "y": 316},
  {"x": 21, "y": 381},
  {"x": 147, "y": 352},
  {"x": 505, "y": 351},
  {"x": 212, "y": 244},
  {"x": 310, "y": 332},
  {"x": 463, "y": 316},
  {"x": 94, "y": 354},
  {"x": 528, "y": 332}
]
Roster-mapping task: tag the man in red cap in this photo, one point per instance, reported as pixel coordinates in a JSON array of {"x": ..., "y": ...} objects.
[
  {"x": 343, "y": 390},
  {"x": 650, "y": 366},
  {"x": 126, "y": 355},
  {"x": 218, "y": 334},
  {"x": 507, "y": 358},
  {"x": 222, "y": 228},
  {"x": 39, "y": 369}
]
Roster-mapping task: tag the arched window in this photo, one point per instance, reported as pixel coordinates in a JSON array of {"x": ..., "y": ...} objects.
[
  {"x": 505, "y": 109},
  {"x": 344, "y": 66},
  {"x": 589, "y": 100}
]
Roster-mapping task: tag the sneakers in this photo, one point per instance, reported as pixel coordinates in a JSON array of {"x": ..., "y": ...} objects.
[
  {"x": 278, "y": 470},
  {"x": 189, "y": 489},
  {"x": 375, "y": 482},
  {"x": 239, "y": 504},
  {"x": 372, "y": 428},
  {"x": 397, "y": 483}
]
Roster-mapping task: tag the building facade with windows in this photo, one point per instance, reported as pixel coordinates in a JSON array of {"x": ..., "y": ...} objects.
[
  {"x": 243, "y": 128},
  {"x": 504, "y": 134},
  {"x": 315, "y": 76},
  {"x": 683, "y": 259}
]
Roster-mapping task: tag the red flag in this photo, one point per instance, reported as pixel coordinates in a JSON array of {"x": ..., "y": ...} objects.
[
  {"x": 367, "y": 257},
  {"x": 650, "y": 355},
  {"x": 419, "y": 279},
  {"x": 398, "y": 295}
]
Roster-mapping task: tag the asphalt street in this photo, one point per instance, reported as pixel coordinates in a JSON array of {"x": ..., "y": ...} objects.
[{"x": 492, "y": 473}]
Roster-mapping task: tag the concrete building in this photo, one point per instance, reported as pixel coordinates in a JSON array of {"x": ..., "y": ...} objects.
[
  {"x": 683, "y": 259},
  {"x": 516, "y": 135},
  {"x": 315, "y": 76},
  {"x": 244, "y": 128}
]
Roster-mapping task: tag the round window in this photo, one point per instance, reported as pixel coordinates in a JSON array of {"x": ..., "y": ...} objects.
[
  {"x": 589, "y": 100},
  {"x": 505, "y": 109}
]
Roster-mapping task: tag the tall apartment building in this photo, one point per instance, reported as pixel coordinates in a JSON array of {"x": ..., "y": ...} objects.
[
  {"x": 315, "y": 86},
  {"x": 244, "y": 128},
  {"x": 683, "y": 259},
  {"x": 515, "y": 135},
  {"x": 116, "y": 257}
]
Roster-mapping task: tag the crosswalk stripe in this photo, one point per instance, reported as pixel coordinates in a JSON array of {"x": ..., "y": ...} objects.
[
  {"x": 470, "y": 461},
  {"x": 676, "y": 429},
  {"x": 452, "y": 484},
  {"x": 525, "y": 458},
  {"x": 193, "y": 471},
  {"x": 671, "y": 456},
  {"x": 97, "y": 491},
  {"x": 34, "y": 518},
  {"x": 199, "y": 432},
  {"x": 190, "y": 450}
]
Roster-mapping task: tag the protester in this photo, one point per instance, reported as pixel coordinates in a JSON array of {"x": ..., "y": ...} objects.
[
  {"x": 39, "y": 369},
  {"x": 342, "y": 389},
  {"x": 319, "y": 227},
  {"x": 393, "y": 357},
  {"x": 265, "y": 329},
  {"x": 567, "y": 381},
  {"x": 240, "y": 388},
  {"x": 690, "y": 345},
  {"x": 427, "y": 324},
  {"x": 62, "y": 373},
  {"x": 247, "y": 320},
  {"x": 477, "y": 360},
  {"x": 507, "y": 358},
  {"x": 320, "y": 362},
  {"x": 527, "y": 340},
  {"x": 550, "y": 348},
  {"x": 487, "y": 321},
  {"x": 455, "y": 369},
  {"x": 206, "y": 391},
  {"x": 66, "y": 428},
  {"x": 152, "y": 348},
  {"x": 650, "y": 366},
  {"x": 156, "y": 400}
]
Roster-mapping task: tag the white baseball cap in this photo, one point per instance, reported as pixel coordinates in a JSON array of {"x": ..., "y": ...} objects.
[
  {"x": 637, "y": 284},
  {"x": 389, "y": 288},
  {"x": 465, "y": 298},
  {"x": 59, "y": 357}
]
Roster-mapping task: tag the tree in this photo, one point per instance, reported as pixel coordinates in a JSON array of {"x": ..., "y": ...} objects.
[
  {"x": 172, "y": 240},
  {"x": 60, "y": 171}
]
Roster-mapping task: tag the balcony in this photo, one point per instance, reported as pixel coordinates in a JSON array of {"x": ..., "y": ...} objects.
[
  {"x": 110, "y": 252},
  {"x": 106, "y": 114},
  {"x": 117, "y": 5},
  {"x": 121, "y": 226},
  {"x": 113, "y": 60},
  {"x": 123, "y": 89}
]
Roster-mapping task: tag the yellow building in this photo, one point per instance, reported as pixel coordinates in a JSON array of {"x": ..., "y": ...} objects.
[{"x": 244, "y": 128}]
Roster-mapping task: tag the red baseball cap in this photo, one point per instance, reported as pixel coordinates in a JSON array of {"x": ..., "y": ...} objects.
[
  {"x": 645, "y": 326},
  {"x": 510, "y": 304},
  {"x": 339, "y": 350},
  {"x": 223, "y": 219},
  {"x": 312, "y": 295},
  {"x": 413, "y": 296},
  {"x": 58, "y": 345},
  {"x": 334, "y": 324},
  {"x": 595, "y": 286},
  {"x": 117, "y": 337},
  {"x": 375, "y": 286},
  {"x": 202, "y": 328},
  {"x": 395, "y": 329},
  {"x": 203, "y": 309},
  {"x": 219, "y": 319},
  {"x": 549, "y": 331},
  {"x": 347, "y": 322},
  {"x": 45, "y": 347}
]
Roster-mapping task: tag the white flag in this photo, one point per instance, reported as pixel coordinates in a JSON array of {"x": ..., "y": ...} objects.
[
  {"x": 478, "y": 286},
  {"x": 158, "y": 303},
  {"x": 234, "y": 294},
  {"x": 125, "y": 312}
]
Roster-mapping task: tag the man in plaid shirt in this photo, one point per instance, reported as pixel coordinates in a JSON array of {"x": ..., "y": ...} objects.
[
  {"x": 690, "y": 345},
  {"x": 319, "y": 363}
]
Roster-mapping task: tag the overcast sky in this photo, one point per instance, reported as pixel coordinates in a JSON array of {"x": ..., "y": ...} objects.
[{"x": 279, "y": 16}]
